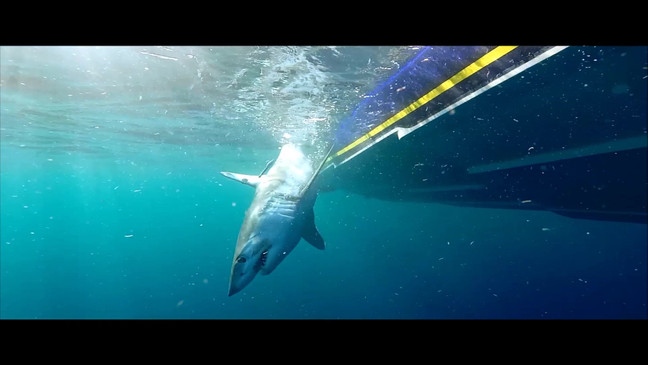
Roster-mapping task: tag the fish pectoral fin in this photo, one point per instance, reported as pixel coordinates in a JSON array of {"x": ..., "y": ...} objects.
[
  {"x": 310, "y": 233},
  {"x": 251, "y": 180},
  {"x": 313, "y": 237}
]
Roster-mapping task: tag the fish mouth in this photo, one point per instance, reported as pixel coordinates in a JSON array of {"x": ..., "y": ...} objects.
[{"x": 262, "y": 260}]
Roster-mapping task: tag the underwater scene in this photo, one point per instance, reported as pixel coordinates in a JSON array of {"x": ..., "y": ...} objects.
[{"x": 161, "y": 182}]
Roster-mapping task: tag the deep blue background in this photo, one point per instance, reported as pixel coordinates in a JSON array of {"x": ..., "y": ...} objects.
[{"x": 66, "y": 254}]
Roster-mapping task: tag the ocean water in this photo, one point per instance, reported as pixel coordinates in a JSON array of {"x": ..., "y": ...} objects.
[{"x": 112, "y": 205}]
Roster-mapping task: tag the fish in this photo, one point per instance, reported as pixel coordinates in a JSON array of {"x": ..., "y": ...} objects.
[{"x": 280, "y": 215}]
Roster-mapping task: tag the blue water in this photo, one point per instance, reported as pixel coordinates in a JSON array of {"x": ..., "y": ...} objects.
[{"x": 103, "y": 218}]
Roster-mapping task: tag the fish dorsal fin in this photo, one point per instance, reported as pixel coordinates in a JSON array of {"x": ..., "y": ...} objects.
[
  {"x": 310, "y": 233},
  {"x": 319, "y": 168},
  {"x": 251, "y": 180}
]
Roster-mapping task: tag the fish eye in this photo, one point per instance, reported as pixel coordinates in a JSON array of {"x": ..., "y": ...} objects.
[{"x": 240, "y": 260}]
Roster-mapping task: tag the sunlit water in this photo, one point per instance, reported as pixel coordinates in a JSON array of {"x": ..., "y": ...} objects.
[{"x": 113, "y": 207}]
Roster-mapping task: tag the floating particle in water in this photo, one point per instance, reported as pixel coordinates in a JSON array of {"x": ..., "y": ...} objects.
[
  {"x": 620, "y": 89},
  {"x": 128, "y": 235},
  {"x": 181, "y": 302},
  {"x": 546, "y": 229},
  {"x": 233, "y": 204}
]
